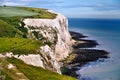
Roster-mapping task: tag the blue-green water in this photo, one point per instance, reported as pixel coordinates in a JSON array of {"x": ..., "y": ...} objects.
[{"x": 107, "y": 33}]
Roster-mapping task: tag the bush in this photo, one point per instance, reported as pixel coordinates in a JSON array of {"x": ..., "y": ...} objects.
[{"x": 4, "y": 6}]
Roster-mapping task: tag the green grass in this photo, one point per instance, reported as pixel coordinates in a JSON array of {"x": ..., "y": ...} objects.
[
  {"x": 19, "y": 45},
  {"x": 25, "y": 12},
  {"x": 41, "y": 13},
  {"x": 2, "y": 74},
  {"x": 12, "y": 23},
  {"x": 14, "y": 11},
  {"x": 7, "y": 30},
  {"x": 10, "y": 74},
  {"x": 37, "y": 73}
]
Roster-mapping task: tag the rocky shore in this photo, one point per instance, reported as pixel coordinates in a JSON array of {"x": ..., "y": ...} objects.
[{"x": 81, "y": 54}]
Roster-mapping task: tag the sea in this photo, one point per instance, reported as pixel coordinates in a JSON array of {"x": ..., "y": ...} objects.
[{"x": 107, "y": 33}]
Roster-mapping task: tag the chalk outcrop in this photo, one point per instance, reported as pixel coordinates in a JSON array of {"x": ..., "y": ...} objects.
[
  {"x": 54, "y": 31},
  {"x": 45, "y": 58}
]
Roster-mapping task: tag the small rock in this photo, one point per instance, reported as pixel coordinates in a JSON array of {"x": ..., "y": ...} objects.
[{"x": 10, "y": 66}]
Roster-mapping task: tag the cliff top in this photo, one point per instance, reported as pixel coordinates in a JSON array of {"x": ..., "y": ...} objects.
[{"x": 10, "y": 11}]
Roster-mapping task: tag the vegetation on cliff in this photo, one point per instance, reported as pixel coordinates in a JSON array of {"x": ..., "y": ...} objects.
[
  {"x": 20, "y": 70},
  {"x": 19, "y": 45},
  {"x": 11, "y": 19},
  {"x": 11, "y": 26},
  {"x": 13, "y": 38},
  {"x": 37, "y": 73}
]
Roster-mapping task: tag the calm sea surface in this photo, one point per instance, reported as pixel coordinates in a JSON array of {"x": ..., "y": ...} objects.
[{"x": 107, "y": 33}]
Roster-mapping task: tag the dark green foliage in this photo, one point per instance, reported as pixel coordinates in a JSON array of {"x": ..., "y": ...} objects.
[
  {"x": 12, "y": 20},
  {"x": 36, "y": 34},
  {"x": 4, "y": 5},
  {"x": 64, "y": 70},
  {"x": 14, "y": 23},
  {"x": 7, "y": 30},
  {"x": 48, "y": 43},
  {"x": 55, "y": 37},
  {"x": 24, "y": 36},
  {"x": 24, "y": 30}
]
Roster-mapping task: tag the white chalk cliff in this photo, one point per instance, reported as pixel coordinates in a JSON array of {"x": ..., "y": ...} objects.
[{"x": 53, "y": 32}]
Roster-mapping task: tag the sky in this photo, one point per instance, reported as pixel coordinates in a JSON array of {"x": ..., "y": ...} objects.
[{"x": 74, "y": 8}]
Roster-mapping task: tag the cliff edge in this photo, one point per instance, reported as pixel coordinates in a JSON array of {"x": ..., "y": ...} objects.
[{"x": 52, "y": 33}]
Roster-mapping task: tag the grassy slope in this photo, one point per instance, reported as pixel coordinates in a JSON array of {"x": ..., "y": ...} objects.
[
  {"x": 19, "y": 45},
  {"x": 14, "y": 11},
  {"x": 2, "y": 74},
  {"x": 10, "y": 74},
  {"x": 8, "y": 30},
  {"x": 37, "y": 73}
]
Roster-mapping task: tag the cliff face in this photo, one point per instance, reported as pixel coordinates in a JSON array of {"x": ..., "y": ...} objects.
[
  {"x": 45, "y": 59},
  {"x": 54, "y": 33}
]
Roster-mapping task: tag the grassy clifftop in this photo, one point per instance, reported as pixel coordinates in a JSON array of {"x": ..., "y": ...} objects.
[{"x": 25, "y": 12}]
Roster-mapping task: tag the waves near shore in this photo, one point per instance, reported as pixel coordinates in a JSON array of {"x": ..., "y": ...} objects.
[
  {"x": 83, "y": 56},
  {"x": 106, "y": 33}
]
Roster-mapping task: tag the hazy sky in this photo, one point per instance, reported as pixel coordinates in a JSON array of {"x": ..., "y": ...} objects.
[{"x": 74, "y": 8}]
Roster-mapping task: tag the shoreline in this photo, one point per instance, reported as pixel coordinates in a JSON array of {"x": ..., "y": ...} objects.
[{"x": 81, "y": 54}]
